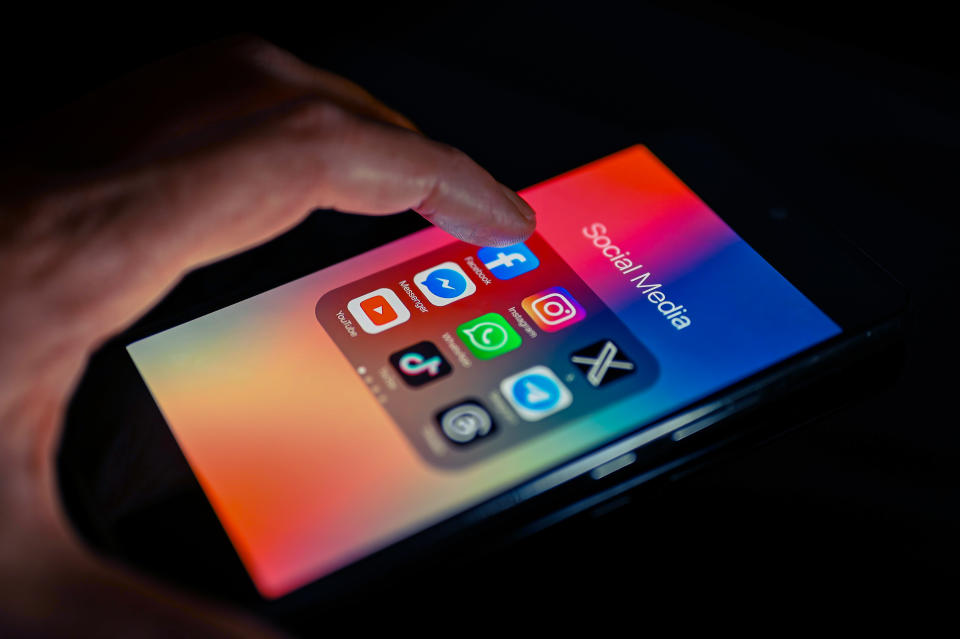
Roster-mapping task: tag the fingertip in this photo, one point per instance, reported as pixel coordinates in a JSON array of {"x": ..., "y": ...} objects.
[
  {"x": 524, "y": 209},
  {"x": 523, "y": 222},
  {"x": 517, "y": 222},
  {"x": 502, "y": 221},
  {"x": 500, "y": 234}
]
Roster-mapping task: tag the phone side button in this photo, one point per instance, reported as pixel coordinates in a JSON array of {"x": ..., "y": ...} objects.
[
  {"x": 612, "y": 466},
  {"x": 608, "y": 507}
]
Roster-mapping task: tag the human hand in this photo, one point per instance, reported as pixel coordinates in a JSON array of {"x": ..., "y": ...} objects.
[{"x": 198, "y": 157}]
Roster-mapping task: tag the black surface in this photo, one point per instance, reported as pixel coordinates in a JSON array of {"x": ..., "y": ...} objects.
[{"x": 861, "y": 129}]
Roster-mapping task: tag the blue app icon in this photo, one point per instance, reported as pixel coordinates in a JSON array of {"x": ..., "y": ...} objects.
[
  {"x": 508, "y": 262},
  {"x": 536, "y": 393},
  {"x": 446, "y": 282}
]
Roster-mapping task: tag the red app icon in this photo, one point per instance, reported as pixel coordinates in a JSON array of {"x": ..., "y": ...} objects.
[{"x": 378, "y": 310}]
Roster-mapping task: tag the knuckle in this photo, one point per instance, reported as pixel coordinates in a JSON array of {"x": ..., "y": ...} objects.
[
  {"x": 253, "y": 48},
  {"x": 256, "y": 53},
  {"x": 316, "y": 114}
]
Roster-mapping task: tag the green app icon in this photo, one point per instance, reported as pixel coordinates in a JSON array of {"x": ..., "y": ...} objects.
[{"x": 489, "y": 336}]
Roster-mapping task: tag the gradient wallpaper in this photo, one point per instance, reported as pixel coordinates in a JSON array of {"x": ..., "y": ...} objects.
[{"x": 313, "y": 455}]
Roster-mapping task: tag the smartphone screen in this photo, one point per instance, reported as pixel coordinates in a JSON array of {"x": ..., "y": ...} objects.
[{"x": 334, "y": 415}]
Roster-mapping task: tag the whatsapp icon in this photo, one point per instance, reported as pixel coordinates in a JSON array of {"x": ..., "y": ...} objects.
[{"x": 489, "y": 336}]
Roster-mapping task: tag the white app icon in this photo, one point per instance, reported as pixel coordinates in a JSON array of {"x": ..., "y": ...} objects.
[
  {"x": 536, "y": 393},
  {"x": 444, "y": 284},
  {"x": 378, "y": 310}
]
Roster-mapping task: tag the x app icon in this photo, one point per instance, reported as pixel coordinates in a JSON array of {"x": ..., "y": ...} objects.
[{"x": 602, "y": 362}]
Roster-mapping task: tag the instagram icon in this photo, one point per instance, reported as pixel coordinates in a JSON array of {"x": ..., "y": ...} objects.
[{"x": 553, "y": 308}]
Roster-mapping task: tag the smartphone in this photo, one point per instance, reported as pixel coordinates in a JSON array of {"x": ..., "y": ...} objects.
[{"x": 415, "y": 391}]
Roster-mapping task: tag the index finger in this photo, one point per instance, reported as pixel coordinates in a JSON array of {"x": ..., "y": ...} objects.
[
  {"x": 150, "y": 224},
  {"x": 318, "y": 155}
]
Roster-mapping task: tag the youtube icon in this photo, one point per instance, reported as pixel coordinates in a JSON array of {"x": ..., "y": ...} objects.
[{"x": 378, "y": 310}]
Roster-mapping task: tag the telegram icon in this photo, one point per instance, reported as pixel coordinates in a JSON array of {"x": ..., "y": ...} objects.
[{"x": 536, "y": 393}]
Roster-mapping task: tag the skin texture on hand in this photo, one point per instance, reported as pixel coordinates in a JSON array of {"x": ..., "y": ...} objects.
[{"x": 197, "y": 157}]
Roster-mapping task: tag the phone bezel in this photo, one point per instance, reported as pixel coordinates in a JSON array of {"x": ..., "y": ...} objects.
[{"x": 861, "y": 297}]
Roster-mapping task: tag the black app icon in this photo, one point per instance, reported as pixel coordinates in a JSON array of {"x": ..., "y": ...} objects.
[
  {"x": 420, "y": 364},
  {"x": 465, "y": 422},
  {"x": 602, "y": 363}
]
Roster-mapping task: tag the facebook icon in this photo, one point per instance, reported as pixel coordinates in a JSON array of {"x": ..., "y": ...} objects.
[{"x": 508, "y": 262}]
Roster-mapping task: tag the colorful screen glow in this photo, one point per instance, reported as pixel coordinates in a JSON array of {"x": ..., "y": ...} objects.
[{"x": 336, "y": 414}]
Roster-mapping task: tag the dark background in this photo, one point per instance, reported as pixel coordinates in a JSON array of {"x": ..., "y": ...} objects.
[{"x": 851, "y": 109}]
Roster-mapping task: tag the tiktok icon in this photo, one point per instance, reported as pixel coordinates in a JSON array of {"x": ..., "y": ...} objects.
[
  {"x": 420, "y": 364},
  {"x": 508, "y": 262}
]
